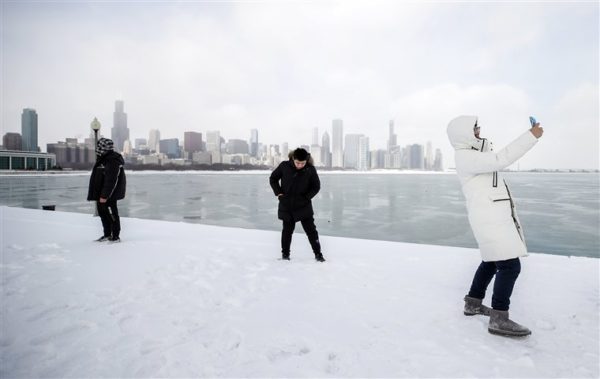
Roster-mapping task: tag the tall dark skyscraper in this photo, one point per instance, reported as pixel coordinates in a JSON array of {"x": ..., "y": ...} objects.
[
  {"x": 29, "y": 130},
  {"x": 192, "y": 143},
  {"x": 120, "y": 132}
]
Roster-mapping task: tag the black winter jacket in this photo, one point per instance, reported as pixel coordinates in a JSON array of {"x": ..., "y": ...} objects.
[
  {"x": 108, "y": 178},
  {"x": 298, "y": 188}
]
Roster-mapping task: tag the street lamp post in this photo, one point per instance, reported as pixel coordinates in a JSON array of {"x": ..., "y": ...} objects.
[{"x": 95, "y": 127}]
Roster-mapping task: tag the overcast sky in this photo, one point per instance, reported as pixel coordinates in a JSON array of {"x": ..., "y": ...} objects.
[{"x": 288, "y": 67}]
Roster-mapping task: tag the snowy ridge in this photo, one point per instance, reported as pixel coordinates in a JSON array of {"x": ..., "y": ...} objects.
[{"x": 189, "y": 300}]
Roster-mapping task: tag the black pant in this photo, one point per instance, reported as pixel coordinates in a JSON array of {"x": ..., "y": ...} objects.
[
  {"x": 506, "y": 275},
  {"x": 109, "y": 214},
  {"x": 309, "y": 228}
]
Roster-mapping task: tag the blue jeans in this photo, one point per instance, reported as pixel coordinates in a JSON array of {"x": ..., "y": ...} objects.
[{"x": 506, "y": 275}]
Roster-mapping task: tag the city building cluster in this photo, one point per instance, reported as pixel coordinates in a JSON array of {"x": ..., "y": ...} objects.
[{"x": 335, "y": 151}]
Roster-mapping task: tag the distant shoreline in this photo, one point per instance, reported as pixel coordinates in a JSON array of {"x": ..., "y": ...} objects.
[{"x": 14, "y": 173}]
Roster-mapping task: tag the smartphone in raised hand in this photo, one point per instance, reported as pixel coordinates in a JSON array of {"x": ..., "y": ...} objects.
[{"x": 532, "y": 120}]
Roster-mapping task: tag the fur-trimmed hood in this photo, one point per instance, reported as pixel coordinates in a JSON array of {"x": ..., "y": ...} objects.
[
  {"x": 460, "y": 133},
  {"x": 310, "y": 161}
]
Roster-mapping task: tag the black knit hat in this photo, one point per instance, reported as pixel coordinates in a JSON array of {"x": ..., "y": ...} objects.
[
  {"x": 104, "y": 145},
  {"x": 300, "y": 154}
]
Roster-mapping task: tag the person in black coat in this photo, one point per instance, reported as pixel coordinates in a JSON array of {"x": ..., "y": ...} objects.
[
  {"x": 299, "y": 184},
  {"x": 107, "y": 185}
]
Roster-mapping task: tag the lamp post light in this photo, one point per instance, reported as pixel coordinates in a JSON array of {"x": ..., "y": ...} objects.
[{"x": 95, "y": 127}]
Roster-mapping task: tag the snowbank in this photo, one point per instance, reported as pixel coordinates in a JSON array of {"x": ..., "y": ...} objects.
[{"x": 189, "y": 300}]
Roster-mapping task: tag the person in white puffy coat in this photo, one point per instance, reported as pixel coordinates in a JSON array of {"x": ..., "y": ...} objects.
[{"x": 493, "y": 218}]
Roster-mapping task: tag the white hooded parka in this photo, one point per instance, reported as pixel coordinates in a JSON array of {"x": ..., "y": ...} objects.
[{"x": 491, "y": 209}]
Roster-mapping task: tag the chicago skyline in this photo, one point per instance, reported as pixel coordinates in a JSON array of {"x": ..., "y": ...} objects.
[{"x": 356, "y": 152}]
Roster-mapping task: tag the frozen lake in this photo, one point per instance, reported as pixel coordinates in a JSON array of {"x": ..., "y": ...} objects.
[{"x": 560, "y": 212}]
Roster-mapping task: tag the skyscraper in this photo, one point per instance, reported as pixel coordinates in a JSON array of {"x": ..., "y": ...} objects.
[
  {"x": 326, "y": 144},
  {"x": 192, "y": 143},
  {"x": 153, "y": 141},
  {"x": 120, "y": 132},
  {"x": 364, "y": 163},
  {"x": 315, "y": 136},
  {"x": 236, "y": 146},
  {"x": 213, "y": 145},
  {"x": 12, "y": 141},
  {"x": 170, "y": 147},
  {"x": 429, "y": 156},
  {"x": 29, "y": 130},
  {"x": 393, "y": 155},
  {"x": 285, "y": 150},
  {"x": 254, "y": 142},
  {"x": 316, "y": 152},
  {"x": 417, "y": 159},
  {"x": 392, "y": 140},
  {"x": 438, "y": 164},
  {"x": 352, "y": 150},
  {"x": 141, "y": 143},
  {"x": 337, "y": 143}
]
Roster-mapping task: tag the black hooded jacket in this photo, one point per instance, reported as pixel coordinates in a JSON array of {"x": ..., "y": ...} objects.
[
  {"x": 298, "y": 188},
  {"x": 108, "y": 177}
]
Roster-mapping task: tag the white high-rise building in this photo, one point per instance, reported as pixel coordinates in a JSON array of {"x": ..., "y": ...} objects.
[
  {"x": 438, "y": 164},
  {"x": 429, "y": 156},
  {"x": 213, "y": 141},
  {"x": 378, "y": 158},
  {"x": 316, "y": 152},
  {"x": 153, "y": 141},
  {"x": 213, "y": 145},
  {"x": 315, "y": 136},
  {"x": 364, "y": 162},
  {"x": 285, "y": 150},
  {"x": 127, "y": 148},
  {"x": 392, "y": 139},
  {"x": 337, "y": 143},
  {"x": 351, "y": 152},
  {"x": 326, "y": 145}
]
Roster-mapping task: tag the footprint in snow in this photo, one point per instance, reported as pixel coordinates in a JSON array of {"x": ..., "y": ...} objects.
[
  {"x": 280, "y": 354},
  {"x": 545, "y": 325}
]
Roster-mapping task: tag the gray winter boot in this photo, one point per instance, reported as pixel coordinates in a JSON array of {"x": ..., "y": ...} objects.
[
  {"x": 501, "y": 325},
  {"x": 474, "y": 307}
]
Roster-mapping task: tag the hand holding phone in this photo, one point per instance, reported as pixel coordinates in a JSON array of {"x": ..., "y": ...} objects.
[
  {"x": 532, "y": 120},
  {"x": 536, "y": 130}
]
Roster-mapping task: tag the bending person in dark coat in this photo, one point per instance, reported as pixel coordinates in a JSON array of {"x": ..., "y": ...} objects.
[
  {"x": 299, "y": 184},
  {"x": 107, "y": 185}
]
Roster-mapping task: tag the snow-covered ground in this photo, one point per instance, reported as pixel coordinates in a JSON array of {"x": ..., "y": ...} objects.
[{"x": 190, "y": 300}]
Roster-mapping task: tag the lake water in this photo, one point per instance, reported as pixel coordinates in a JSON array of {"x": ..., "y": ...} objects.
[{"x": 560, "y": 213}]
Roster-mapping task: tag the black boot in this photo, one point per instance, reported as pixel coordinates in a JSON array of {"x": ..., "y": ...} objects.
[
  {"x": 285, "y": 256},
  {"x": 319, "y": 257}
]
